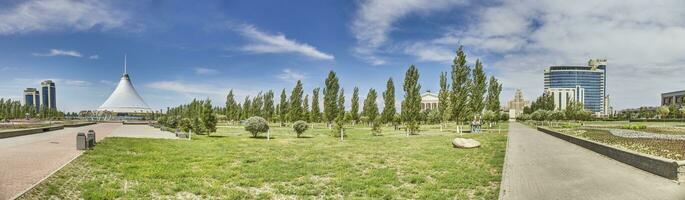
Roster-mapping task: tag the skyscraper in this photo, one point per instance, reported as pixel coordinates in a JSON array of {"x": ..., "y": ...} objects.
[
  {"x": 32, "y": 98},
  {"x": 48, "y": 98},
  {"x": 591, "y": 79}
]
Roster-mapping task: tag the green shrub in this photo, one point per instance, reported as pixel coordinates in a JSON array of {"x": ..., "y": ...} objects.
[
  {"x": 256, "y": 125},
  {"x": 570, "y": 126},
  {"x": 634, "y": 126},
  {"x": 185, "y": 124},
  {"x": 300, "y": 127},
  {"x": 376, "y": 129},
  {"x": 171, "y": 122}
]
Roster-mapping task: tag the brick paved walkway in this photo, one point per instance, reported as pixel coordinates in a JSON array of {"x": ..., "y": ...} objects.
[{"x": 25, "y": 160}]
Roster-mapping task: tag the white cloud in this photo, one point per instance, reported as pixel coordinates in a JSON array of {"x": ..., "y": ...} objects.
[
  {"x": 291, "y": 76},
  {"x": 106, "y": 82},
  {"x": 47, "y": 15},
  {"x": 375, "y": 18},
  {"x": 204, "y": 71},
  {"x": 186, "y": 88},
  {"x": 77, "y": 83},
  {"x": 34, "y": 82},
  {"x": 430, "y": 52},
  {"x": 60, "y": 52},
  {"x": 266, "y": 43},
  {"x": 94, "y": 57},
  {"x": 642, "y": 40}
]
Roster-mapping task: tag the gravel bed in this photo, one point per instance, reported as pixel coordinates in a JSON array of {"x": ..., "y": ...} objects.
[{"x": 640, "y": 134}]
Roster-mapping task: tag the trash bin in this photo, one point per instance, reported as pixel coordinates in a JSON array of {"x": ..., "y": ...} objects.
[
  {"x": 91, "y": 138},
  {"x": 81, "y": 141}
]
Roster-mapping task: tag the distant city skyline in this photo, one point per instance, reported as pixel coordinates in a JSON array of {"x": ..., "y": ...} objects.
[{"x": 178, "y": 50}]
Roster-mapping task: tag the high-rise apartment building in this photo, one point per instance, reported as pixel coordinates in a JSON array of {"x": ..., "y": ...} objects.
[{"x": 591, "y": 78}]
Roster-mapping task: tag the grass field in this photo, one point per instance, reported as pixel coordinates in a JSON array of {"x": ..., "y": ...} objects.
[{"x": 231, "y": 165}]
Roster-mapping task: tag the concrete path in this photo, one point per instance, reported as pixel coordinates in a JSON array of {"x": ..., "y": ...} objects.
[
  {"x": 539, "y": 166},
  {"x": 141, "y": 131},
  {"x": 26, "y": 160}
]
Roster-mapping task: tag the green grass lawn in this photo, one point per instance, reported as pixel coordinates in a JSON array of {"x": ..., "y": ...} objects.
[{"x": 231, "y": 165}]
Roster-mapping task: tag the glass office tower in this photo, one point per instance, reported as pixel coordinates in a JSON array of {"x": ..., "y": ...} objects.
[
  {"x": 591, "y": 78},
  {"x": 48, "y": 94},
  {"x": 32, "y": 98}
]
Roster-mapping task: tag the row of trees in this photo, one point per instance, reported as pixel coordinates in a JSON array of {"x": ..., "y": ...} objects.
[
  {"x": 10, "y": 109},
  {"x": 543, "y": 109},
  {"x": 468, "y": 94},
  {"x": 671, "y": 111},
  {"x": 198, "y": 116}
]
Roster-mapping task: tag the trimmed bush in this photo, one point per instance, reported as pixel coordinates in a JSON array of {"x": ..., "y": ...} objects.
[
  {"x": 300, "y": 127},
  {"x": 256, "y": 125},
  {"x": 634, "y": 126}
]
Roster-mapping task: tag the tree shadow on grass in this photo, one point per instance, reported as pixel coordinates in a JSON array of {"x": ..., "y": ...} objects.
[
  {"x": 217, "y": 136},
  {"x": 305, "y": 137},
  {"x": 262, "y": 137}
]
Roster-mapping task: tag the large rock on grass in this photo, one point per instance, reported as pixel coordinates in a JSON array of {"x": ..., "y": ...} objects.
[{"x": 465, "y": 143}]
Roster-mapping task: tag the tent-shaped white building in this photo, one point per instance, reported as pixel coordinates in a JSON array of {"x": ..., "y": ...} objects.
[{"x": 125, "y": 98}]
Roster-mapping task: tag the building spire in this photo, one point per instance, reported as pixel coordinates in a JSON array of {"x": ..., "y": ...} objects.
[{"x": 125, "y": 72}]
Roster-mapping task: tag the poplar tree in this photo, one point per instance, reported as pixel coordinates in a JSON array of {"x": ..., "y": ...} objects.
[
  {"x": 283, "y": 108},
  {"x": 330, "y": 106},
  {"x": 231, "y": 107},
  {"x": 341, "y": 103},
  {"x": 460, "y": 86},
  {"x": 315, "y": 113},
  {"x": 354, "y": 109},
  {"x": 269, "y": 105},
  {"x": 411, "y": 106},
  {"x": 478, "y": 89},
  {"x": 370, "y": 109},
  {"x": 257, "y": 103},
  {"x": 389, "y": 102},
  {"x": 305, "y": 108},
  {"x": 207, "y": 117},
  {"x": 444, "y": 99},
  {"x": 494, "y": 89},
  {"x": 295, "y": 108},
  {"x": 247, "y": 108},
  {"x": 340, "y": 118},
  {"x": 238, "y": 112}
]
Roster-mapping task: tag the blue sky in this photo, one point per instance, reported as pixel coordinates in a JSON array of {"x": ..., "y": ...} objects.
[{"x": 179, "y": 50}]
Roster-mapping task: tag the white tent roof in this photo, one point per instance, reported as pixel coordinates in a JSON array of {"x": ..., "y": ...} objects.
[{"x": 125, "y": 99}]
